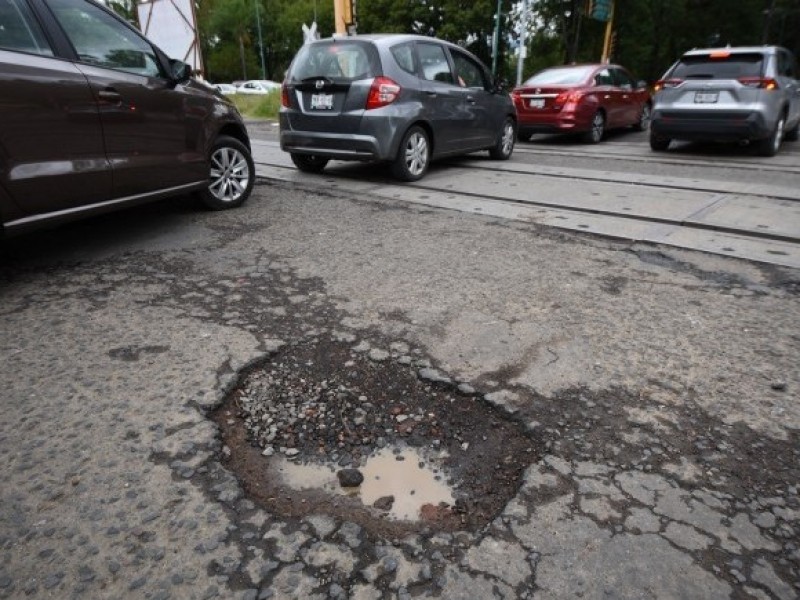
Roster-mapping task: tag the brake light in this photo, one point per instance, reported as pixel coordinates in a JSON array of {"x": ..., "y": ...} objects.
[
  {"x": 765, "y": 83},
  {"x": 284, "y": 95},
  {"x": 571, "y": 97},
  {"x": 720, "y": 54},
  {"x": 383, "y": 92},
  {"x": 667, "y": 83}
]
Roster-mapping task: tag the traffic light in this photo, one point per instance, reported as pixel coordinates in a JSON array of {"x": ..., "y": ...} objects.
[{"x": 599, "y": 10}]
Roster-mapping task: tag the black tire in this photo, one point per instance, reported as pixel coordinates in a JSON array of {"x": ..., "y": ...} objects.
[
  {"x": 792, "y": 134},
  {"x": 231, "y": 174},
  {"x": 644, "y": 118},
  {"x": 523, "y": 137},
  {"x": 771, "y": 145},
  {"x": 310, "y": 163},
  {"x": 413, "y": 156},
  {"x": 505, "y": 142},
  {"x": 659, "y": 143},
  {"x": 597, "y": 129}
]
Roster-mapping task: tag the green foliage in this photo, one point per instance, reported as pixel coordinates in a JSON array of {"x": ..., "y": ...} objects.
[
  {"x": 650, "y": 34},
  {"x": 257, "y": 106}
]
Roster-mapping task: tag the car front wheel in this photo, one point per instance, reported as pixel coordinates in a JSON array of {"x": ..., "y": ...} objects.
[
  {"x": 414, "y": 155},
  {"x": 793, "y": 133},
  {"x": 505, "y": 144},
  {"x": 309, "y": 163},
  {"x": 598, "y": 128},
  {"x": 231, "y": 174}
]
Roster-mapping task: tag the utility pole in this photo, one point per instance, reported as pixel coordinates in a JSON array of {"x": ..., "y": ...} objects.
[
  {"x": 260, "y": 41},
  {"x": 767, "y": 22},
  {"x": 523, "y": 49},
  {"x": 496, "y": 39}
]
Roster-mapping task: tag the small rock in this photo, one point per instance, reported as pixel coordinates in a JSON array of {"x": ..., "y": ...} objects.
[
  {"x": 291, "y": 452},
  {"x": 466, "y": 389},
  {"x": 433, "y": 376},
  {"x": 378, "y": 355},
  {"x": 384, "y": 503},
  {"x": 350, "y": 477},
  {"x": 778, "y": 386}
]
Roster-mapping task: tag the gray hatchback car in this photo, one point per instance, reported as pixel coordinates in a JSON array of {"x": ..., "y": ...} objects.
[
  {"x": 402, "y": 99},
  {"x": 729, "y": 94}
]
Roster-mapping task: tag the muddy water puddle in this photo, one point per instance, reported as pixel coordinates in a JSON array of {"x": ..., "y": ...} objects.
[{"x": 402, "y": 474}]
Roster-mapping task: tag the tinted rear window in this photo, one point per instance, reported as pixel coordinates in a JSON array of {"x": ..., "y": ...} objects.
[
  {"x": 335, "y": 60},
  {"x": 730, "y": 67},
  {"x": 566, "y": 76}
]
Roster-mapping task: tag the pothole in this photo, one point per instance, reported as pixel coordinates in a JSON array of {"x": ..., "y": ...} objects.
[{"x": 430, "y": 456}]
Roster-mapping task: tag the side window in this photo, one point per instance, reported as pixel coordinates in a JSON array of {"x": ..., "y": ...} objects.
[
  {"x": 434, "y": 63},
  {"x": 19, "y": 30},
  {"x": 623, "y": 80},
  {"x": 101, "y": 40},
  {"x": 468, "y": 72},
  {"x": 786, "y": 65},
  {"x": 404, "y": 57},
  {"x": 603, "y": 78}
]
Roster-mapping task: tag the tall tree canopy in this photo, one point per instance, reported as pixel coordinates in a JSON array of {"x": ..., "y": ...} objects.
[{"x": 648, "y": 34}]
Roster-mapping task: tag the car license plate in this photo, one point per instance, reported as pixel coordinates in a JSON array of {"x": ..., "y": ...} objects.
[
  {"x": 706, "y": 97},
  {"x": 322, "y": 101},
  {"x": 536, "y": 103}
]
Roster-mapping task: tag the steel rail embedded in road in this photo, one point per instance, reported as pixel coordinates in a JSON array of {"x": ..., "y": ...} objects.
[{"x": 750, "y": 221}]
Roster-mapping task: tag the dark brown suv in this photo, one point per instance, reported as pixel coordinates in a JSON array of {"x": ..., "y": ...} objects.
[{"x": 93, "y": 117}]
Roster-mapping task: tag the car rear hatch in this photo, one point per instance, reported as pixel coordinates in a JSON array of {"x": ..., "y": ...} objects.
[
  {"x": 716, "y": 82},
  {"x": 532, "y": 101},
  {"x": 328, "y": 85}
]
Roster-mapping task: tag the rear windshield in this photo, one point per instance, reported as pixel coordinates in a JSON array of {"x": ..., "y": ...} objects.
[
  {"x": 732, "y": 66},
  {"x": 337, "y": 60},
  {"x": 565, "y": 76}
]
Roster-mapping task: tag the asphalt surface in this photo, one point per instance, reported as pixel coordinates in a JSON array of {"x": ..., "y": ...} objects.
[{"x": 658, "y": 389}]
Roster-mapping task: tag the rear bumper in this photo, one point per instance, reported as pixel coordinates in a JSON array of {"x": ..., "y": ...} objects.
[
  {"x": 563, "y": 122},
  {"x": 331, "y": 145},
  {"x": 710, "y": 126}
]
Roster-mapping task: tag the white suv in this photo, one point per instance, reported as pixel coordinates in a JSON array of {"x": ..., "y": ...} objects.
[{"x": 728, "y": 94}]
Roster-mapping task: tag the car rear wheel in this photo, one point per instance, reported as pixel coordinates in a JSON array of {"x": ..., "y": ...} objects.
[
  {"x": 309, "y": 163},
  {"x": 644, "y": 119},
  {"x": 771, "y": 145},
  {"x": 414, "y": 155},
  {"x": 231, "y": 174},
  {"x": 793, "y": 133},
  {"x": 524, "y": 137},
  {"x": 505, "y": 143},
  {"x": 598, "y": 128},
  {"x": 659, "y": 143}
]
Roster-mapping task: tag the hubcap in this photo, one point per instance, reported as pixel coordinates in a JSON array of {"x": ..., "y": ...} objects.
[
  {"x": 507, "y": 143},
  {"x": 597, "y": 127},
  {"x": 230, "y": 174},
  {"x": 776, "y": 143},
  {"x": 416, "y": 154}
]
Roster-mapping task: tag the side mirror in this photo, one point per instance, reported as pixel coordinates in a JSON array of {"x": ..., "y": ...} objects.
[
  {"x": 500, "y": 85},
  {"x": 181, "y": 72}
]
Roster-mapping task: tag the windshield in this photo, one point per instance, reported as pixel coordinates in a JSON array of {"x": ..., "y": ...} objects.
[
  {"x": 335, "y": 60},
  {"x": 707, "y": 66},
  {"x": 561, "y": 76}
]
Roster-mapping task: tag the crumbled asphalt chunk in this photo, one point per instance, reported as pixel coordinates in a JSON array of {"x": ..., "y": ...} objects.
[{"x": 349, "y": 478}]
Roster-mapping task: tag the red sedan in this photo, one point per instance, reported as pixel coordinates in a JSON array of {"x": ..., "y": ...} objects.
[{"x": 586, "y": 99}]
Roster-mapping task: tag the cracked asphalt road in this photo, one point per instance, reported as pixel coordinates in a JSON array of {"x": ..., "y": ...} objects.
[{"x": 659, "y": 387}]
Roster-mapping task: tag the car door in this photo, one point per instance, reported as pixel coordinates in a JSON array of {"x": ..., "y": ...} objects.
[
  {"x": 610, "y": 97},
  {"x": 153, "y": 129},
  {"x": 630, "y": 106},
  {"x": 787, "y": 71},
  {"x": 52, "y": 155},
  {"x": 479, "y": 131},
  {"x": 445, "y": 102}
]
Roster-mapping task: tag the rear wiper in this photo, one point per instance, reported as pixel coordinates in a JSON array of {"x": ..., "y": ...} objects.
[{"x": 317, "y": 78}]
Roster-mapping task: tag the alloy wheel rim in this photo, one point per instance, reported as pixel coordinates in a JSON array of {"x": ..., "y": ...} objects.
[
  {"x": 230, "y": 174},
  {"x": 644, "y": 122},
  {"x": 776, "y": 143},
  {"x": 416, "y": 154},
  {"x": 507, "y": 142},
  {"x": 597, "y": 127}
]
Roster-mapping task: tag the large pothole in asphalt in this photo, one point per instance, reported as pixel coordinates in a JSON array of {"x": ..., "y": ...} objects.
[{"x": 431, "y": 455}]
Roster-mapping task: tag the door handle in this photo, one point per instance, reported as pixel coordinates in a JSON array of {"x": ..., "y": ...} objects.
[
  {"x": 110, "y": 96},
  {"x": 471, "y": 99},
  {"x": 431, "y": 94}
]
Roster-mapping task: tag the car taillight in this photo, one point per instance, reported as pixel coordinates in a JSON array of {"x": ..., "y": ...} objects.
[
  {"x": 667, "y": 83},
  {"x": 765, "y": 83},
  {"x": 568, "y": 97},
  {"x": 384, "y": 91},
  {"x": 284, "y": 95}
]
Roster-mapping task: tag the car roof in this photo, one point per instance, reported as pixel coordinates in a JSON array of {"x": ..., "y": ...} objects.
[
  {"x": 384, "y": 39},
  {"x": 734, "y": 50}
]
